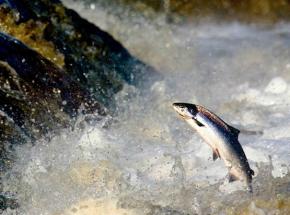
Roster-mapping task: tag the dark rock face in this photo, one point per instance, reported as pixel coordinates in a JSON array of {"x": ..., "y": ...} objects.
[
  {"x": 37, "y": 96},
  {"x": 32, "y": 95},
  {"x": 95, "y": 67},
  {"x": 92, "y": 57},
  {"x": 30, "y": 79}
]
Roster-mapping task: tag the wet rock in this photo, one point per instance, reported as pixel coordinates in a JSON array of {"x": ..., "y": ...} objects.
[
  {"x": 27, "y": 75},
  {"x": 92, "y": 57},
  {"x": 36, "y": 97},
  {"x": 53, "y": 66},
  {"x": 7, "y": 202},
  {"x": 78, "y": 65}
]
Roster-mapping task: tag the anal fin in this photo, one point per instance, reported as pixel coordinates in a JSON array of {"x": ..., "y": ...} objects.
[{"x": 215, "y": 154}]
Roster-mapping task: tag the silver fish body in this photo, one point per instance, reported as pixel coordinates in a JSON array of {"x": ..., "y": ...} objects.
[{"x": 221, "y": 137}]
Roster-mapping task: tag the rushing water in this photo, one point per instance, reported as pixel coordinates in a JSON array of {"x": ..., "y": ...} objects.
[{"x": 150, "y": 162}]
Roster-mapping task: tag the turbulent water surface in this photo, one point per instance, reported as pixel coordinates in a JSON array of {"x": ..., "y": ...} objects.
[{"x": 150, "y": 162}]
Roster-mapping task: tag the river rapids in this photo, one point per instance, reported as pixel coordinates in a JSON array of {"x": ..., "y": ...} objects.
[{"x": 144, "y": 160}]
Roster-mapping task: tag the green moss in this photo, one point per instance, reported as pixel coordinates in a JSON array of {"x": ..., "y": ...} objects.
[{"x": 31, "y": 33}]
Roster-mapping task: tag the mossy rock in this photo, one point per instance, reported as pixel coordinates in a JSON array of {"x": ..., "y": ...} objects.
[
  {"x": 36, "y": 97},
  {"x": 91, "y": 56},
  {"x": 61, "y": 63}
]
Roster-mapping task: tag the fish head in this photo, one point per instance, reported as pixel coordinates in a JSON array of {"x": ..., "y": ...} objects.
[{"x": 186, "y": 110}]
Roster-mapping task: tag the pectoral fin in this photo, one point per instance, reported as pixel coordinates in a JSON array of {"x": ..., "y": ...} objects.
[
  {"x": 198, "y": 122},
  {"x": 215, "y": 154}
]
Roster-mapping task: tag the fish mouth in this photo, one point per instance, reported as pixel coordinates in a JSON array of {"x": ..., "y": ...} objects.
[{"x": 177, "y": 109}]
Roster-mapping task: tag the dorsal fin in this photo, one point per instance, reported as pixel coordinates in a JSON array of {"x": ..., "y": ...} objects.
[{"x": 234, "y": 130}]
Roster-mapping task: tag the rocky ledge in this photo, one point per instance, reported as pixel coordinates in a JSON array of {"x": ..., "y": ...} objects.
[{"x": 53, "y": 66}]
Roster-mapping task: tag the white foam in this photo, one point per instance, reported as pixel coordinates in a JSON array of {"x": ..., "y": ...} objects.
[{"x": 276, "y": 86}]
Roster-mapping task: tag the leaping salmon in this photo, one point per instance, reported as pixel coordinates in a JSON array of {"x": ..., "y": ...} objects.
[{"x": 221, "y": 137}]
